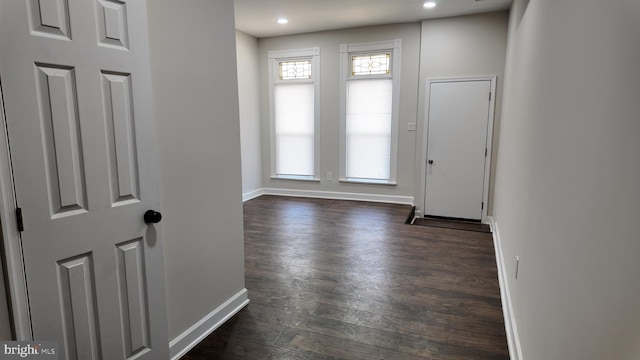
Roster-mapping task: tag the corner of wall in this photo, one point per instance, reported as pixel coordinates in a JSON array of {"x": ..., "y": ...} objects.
[
  {"x": 249, "y": 99},
  {"x": 208, "y": 324},
  {"x": 198, "y": 128},
  {"x": 252, "y": 194}
]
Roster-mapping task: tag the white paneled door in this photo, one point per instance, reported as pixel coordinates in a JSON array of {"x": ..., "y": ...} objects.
[
  {"x": 458, "y": 122},
  {"x": 77, "y": 90}
]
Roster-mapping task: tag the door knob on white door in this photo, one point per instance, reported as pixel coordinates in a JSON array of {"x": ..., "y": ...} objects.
[
  {"x": 430, "y": 162},
  {"x": 152, "y": 217}
]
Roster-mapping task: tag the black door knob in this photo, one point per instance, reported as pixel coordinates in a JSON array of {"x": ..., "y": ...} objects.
[
  {"x": 430, "y": 162},
  {"x": 152, "y": 216}
]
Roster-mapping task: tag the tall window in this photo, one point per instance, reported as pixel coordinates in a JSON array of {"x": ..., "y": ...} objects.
[
  {"x": 370, "y": 77},
  {"x": 293, "y": 77}
]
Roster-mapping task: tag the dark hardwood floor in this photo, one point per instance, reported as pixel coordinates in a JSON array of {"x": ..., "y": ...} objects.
[{"x": 334, "y": 279}]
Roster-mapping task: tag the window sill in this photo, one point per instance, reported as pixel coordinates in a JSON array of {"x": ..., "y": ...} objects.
[
  {"x": 295, "y": 178},
  {"x": 368, "y": 182}
]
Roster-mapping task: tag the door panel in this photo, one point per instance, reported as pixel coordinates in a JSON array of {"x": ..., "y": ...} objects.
[
  {"x": 78, "y": 309},
  {"x": 50, "y": 18},
  {"x": 77, "y": 90},
  {"x": 121, "y": 140},
  {"x": 456, "y": 143},
  {"x": 133, "y": 295},
  {"x": 63, "y": 156}
]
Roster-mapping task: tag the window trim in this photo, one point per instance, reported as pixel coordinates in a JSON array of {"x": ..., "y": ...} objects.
[
  {"x": 346, "y": 50},
  {"x": 274, "y": 57}
]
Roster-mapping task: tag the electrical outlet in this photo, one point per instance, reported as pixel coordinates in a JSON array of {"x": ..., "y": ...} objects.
[
  {"x": 329, "y": 176},
  {"x": 411, "y": 126},
  {"x": 517, "y": 266}
]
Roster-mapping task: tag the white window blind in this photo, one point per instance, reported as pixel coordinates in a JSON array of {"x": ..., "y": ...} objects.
[
  {"x": 369, "y": 128},
  {"x": 294, "y": 129}
]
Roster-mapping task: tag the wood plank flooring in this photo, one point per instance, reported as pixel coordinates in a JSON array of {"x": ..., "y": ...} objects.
[{"x": 331, "y": 279}]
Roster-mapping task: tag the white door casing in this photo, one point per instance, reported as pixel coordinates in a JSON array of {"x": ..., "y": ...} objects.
[
  {"x": 77, "y": 90},
  {"x": 459, "y": 120}
]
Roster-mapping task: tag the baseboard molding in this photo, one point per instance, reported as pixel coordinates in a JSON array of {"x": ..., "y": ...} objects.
[
  {"x": 511, "y": 328},
  {"x": 391, "y": 199},
  {"x": 200, "y": 330},
  {"x": 252, "y": 194}
]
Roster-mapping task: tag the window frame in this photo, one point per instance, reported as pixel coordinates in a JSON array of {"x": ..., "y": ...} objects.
[
  {"x": 346, "y": 52},
  {"x": 274, "y": 58}
]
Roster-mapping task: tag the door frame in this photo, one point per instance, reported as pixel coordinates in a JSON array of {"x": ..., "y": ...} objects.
[
  {"x": 489, "y": 136},
  {"x": 16, "y": 276}
]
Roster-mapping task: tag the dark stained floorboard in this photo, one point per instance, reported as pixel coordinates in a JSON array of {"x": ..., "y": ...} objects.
[
  {"x": 331, "y": 279},
  {"x": 452, "y": 224}
]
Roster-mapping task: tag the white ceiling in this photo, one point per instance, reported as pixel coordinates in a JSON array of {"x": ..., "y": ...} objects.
[{"x": 258, "y": 17}]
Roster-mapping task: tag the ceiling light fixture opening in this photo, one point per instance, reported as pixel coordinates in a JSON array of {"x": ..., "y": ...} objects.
[
  {"x": 282, "y": 21},
  {"x": 429, "y": 4}
]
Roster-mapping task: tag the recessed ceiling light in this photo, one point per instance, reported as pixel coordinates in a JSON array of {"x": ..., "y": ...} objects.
[
  {"x": 429, "y": 4},
  {"x": 282, "y": 21}
]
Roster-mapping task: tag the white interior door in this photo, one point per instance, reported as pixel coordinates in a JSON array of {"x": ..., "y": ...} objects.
[
  {"x": 77, "y": 89},
  {"x": 458, "y": 119}
]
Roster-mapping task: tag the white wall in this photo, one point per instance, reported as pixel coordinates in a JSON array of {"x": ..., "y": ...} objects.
[
  {"x": 193, "y": 60},
  {"x": 567, "y": 192},
  {"x": 329, "y": 43},
  {"x": 473, "y": 45},
  {"x": 249, "y": 97}
]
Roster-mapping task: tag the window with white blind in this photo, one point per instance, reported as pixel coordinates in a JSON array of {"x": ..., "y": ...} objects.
[
  {"x": 294, "y": 84},
  {"x": 369, "y": 106}
]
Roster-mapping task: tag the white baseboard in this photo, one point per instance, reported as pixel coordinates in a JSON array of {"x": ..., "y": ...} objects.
[
  {"x": 392, "y": 199},
  {"x": 200, "y": 330},
  {"x": 252, "y": 194},
  {"x": 511, "y": 328}
]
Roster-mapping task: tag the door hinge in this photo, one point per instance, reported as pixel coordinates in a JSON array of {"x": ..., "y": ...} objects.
[
  {"x": 19, "y": 219},
  {"x": 489, "y": 96},
  {"x": 485, "y": 152},
  {"x": 482, "y": 207}
]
